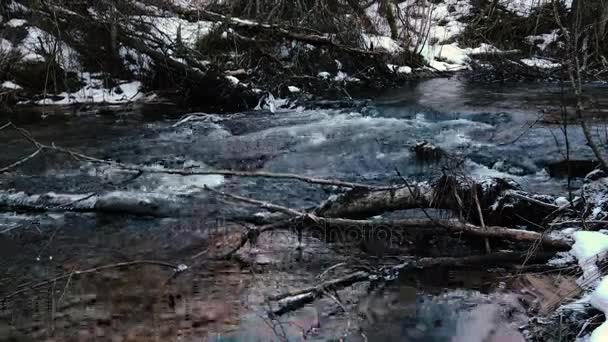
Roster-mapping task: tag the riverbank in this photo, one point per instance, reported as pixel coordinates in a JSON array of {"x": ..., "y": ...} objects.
[{"x": 218, "y": 58}]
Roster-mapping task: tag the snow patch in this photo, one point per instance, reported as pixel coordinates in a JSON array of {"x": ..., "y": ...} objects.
[
  {"x": 342, "y": 76},
  {"x": 270, "y": 103},
  {"x": 233, "y": 80},
  {"x": 599, "y": 300},
  {"x": 561, "y": 201},
  {"x": 561, "y": 259},
  {"x": 5, "y": 45},
  {"x": 180, "y": 184},
  {"x": 540, "y": 63},
  {"x": 38, "y": 41},
  {"x": 589, "y": 247},
  {"x": 16, "y": 22},
  {"x": 523, "y": 7},
  {"x": 94, "y": 92},
  {"x": 170, "y": 28},
  {"x": 399, "y": 69},
  {"x": 10, "y": 85},
  {"x": 381, "y": 42},
  {"x": 542, "y": 41},
  {"x": 324, "y": 75},
  {"x": 293, "y": 89},
  {"x": 597, "y": 198}
]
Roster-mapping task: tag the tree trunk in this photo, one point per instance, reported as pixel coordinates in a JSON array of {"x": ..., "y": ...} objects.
[
  {"x": 501, "y": 202},
  {"x": 386, "y": 8}
]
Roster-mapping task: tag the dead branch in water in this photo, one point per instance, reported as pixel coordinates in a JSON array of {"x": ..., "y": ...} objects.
[
  {"x": 409, "y": 225},
  {"x": 21, "y": 161},
  {"x": 453, "y": 226},
  {"x": 483, "y": 224},
  {"x": 293, "y": 300},
  {"x": 8, "y": 124},
  {"x": 262, "y": 204},
  {"x": 499, "y": 201}
]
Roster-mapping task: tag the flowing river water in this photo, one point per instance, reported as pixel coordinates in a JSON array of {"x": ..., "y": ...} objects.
[{"x": 496, "y": 129}]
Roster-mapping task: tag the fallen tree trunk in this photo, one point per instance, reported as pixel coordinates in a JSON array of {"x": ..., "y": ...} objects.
[
  {"x": 327, "y": 226},
  {"x": 371, "y": 227},
  {"x": 146, "y": 204},
  {"x": 502, "y": 202}
]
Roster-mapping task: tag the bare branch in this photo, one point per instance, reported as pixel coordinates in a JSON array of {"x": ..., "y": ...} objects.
[
  {"x": 293, "y": 300},
  {"x": 8, "y": 124},
  {"x": 261, "y": 204},
  {"x": 17, "y": 163},
  {"x": 413, "y": 225},
  {"x": 532, "y": 200}
]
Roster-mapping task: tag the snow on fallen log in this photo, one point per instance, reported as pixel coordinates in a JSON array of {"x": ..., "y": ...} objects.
[{"x": 149, "y": 204}]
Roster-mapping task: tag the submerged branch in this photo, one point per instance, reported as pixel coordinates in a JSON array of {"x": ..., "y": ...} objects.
[
  {"x": 293, "y": 300},
  {"x": 21, "y": 161}
]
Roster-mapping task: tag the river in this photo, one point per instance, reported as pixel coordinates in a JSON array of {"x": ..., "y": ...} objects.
[{"x": 495, "y": 131}]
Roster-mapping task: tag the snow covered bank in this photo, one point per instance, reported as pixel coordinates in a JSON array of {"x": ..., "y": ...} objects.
[
  {"x": 589, "y": 249},
  {"x": 182, "y": 45}
]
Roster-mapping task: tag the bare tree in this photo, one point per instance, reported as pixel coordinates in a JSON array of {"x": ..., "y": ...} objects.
[{"x": 577, "y": 37}]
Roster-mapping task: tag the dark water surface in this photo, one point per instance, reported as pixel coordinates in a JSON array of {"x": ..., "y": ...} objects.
[{"x": 488, "y": 126}]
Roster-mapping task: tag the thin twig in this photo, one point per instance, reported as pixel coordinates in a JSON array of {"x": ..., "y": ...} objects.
[
  {"x": 574, "y": 222},
  {"x": 531, "y": 200},
  {"x": 8, "y": 124},
  {"x": 340, "y": 264},
  {"x": 481, "y": 220},
  {"x": 262, "y": 204}
]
